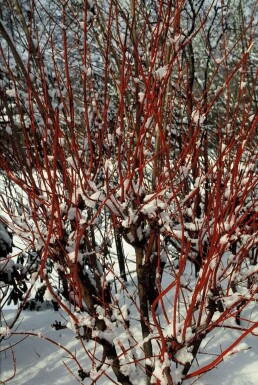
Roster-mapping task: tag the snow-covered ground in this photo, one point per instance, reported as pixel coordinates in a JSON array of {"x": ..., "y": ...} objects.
[{"x": 39, "y": 361}]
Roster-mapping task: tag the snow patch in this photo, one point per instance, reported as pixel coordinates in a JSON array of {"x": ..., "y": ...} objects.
[{"x": 4, "y": 331}]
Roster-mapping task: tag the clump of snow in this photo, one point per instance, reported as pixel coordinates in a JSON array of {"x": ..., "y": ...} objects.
[
  {"x": 39, "y": 334},
  {"x": 75, "y": 256},
  {"x": 159, "y": 371},
  {"x": 232, "y": 299},
  {"x": 72, "y": 213},
  {"x": 48, "y": 296},
  {"x": 9, "y": 130},
  {"x": 71, "y": 161},
  {"x": 149, "y": 122},
  {"x": 141, "y": 96},
  {"x": 57, "y": 266},
  {"x": 11, "y": 93},
  {"x": 224, "y": 239},
  {"x": 176, "y": 41},
  {"x": 85, "y": 320},
  {"x": 183, "y": 356},
  {"x": 161, "y": 72},
  {"x": 94, "y": 198},
  {"x": 4, "y": 331},
  {"x": 197, "y": 117}
]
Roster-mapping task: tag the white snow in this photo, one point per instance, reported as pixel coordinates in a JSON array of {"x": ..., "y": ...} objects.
[
  {"x": 224, "y": 239},
  {"x": 4, "y": 331},
  {"x": 161, "y": 72},
  {"x": 40, "y": 362},
  {"x": 141, "y": 96},
  {"x": 9, "y": 130},
  {"x": 183, "y": 356},
  {"x": 197, "y": 117}
]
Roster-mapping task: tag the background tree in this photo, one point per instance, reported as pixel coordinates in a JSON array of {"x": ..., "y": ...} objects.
[{"x": 133, "y": 123}]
